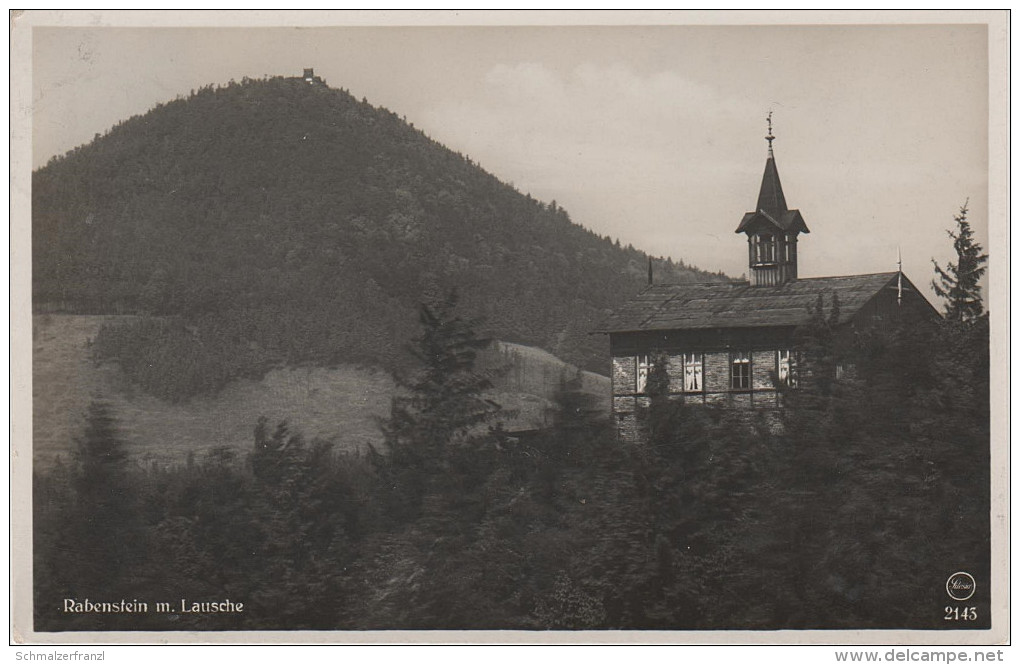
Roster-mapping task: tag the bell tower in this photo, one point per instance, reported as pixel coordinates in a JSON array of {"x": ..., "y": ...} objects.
[{"x": 772, "y": 229}]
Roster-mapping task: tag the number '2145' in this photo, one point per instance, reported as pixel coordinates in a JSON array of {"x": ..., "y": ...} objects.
[{"x": 961, "y": 613}]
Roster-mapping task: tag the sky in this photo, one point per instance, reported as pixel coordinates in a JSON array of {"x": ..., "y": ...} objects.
[{"x": 652, "y": 134}]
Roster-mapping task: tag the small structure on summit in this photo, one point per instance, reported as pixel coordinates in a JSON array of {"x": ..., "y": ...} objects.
[
  {"x": 310, "y": 78},
  {"x": 731, "y": 343}
]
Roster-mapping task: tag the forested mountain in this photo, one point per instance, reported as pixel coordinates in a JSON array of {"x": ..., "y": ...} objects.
[{"x": 302, "y": 225}]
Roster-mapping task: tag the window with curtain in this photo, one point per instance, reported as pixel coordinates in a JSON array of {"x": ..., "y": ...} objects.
[
  {"x": 694, "y": 369},
  {"x": 740, "y": 370},
  {"x": 643, "y": 367}
]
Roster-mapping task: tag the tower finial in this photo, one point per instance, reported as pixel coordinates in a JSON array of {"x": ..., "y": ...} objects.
[
  {"x": 770, "y": 138},
  {"x": 899, "y": 277}
]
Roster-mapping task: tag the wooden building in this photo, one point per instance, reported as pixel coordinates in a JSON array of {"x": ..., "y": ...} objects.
[{"x": 732, "y": 343}]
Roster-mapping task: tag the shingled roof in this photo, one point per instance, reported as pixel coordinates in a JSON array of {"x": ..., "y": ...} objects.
[
  {"x": 771, "y": 209},
  {"x": 740, "y": 305}
]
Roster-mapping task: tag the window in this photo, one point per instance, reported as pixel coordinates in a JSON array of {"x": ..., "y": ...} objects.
[
  {"x": 643, "y": 366},
  {"x": 694, "y": 367},
  {"x": 764, "y": 249},
  {"x": 787, "y": 366},
  {"x": 740, "y": 370}
]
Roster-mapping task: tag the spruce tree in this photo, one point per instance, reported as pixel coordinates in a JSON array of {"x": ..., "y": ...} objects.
[
  {"x": 575, "y": 416},
  {"x": 958, "y": 282},
  {"x": 440, "y": 406},
  {"x": 103, "y": 493},
  {"x": 105, "y": 527},
  {"x": 660, "y": 408}
]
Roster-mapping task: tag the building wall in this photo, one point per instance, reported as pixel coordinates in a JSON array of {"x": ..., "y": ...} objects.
[
  {"x": 763, "y": 369},
  {"x": 624, "y": 375},
  {"x": 628, "y": 404},
  {"x": 717, "y": 372},
  {"x": 676, "y": 373}
]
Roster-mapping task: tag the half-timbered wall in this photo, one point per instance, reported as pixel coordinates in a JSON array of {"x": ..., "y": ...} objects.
[{"x": 715, "y": 376}]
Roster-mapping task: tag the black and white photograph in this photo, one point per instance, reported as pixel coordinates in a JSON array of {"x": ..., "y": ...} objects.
[{"x": 665, "y": 326}]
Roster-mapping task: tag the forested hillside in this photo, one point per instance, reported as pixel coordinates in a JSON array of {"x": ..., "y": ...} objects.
[{"x": 276, "y": 221}]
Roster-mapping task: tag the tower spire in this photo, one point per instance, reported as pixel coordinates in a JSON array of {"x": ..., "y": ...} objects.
[{"x": 770, "y": 138}]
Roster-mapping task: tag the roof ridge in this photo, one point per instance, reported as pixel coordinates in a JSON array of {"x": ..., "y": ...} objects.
[
  {"x": 708, "y": 283},
  {"x": 746, "y": 282},
  {"x": 863, "y": 274}
]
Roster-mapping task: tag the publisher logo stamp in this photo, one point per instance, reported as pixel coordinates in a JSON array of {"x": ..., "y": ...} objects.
[{"x": 960, "y": 586}]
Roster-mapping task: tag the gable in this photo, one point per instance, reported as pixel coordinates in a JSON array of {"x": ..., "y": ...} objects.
[{"x": 894, "y": 301}]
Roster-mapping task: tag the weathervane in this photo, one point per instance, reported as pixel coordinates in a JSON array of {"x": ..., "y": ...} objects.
[{"x": 770, "y": 138}]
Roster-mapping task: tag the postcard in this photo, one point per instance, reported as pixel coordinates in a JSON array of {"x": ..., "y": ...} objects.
[{"x": 509, "y": 327}]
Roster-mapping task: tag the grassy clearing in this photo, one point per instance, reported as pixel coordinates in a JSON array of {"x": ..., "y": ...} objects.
[{"x": 342, "y": 404}]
